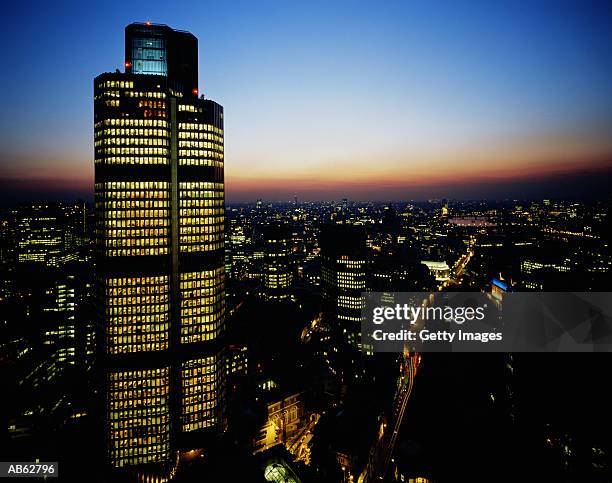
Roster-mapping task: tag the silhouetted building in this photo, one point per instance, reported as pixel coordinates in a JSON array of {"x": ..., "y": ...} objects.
[
  {"x": 544, "y": 272},
  {"x": 160, "y": 50},
  {"x": 278, "y": 273},
  {"x": 343, "y": 277},
  {"x": 159, "y": 196}
]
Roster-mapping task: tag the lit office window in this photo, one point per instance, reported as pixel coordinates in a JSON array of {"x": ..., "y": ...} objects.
[
  {"x": 199, "y": 144},
  {"x": 200, "y": 382},
  {"x": 202, "y": 220},
  {"x": 138, "y": 414},
  {"x": 136, "y": 217},
  {"x": 202, "y": 304},
  {"x": 137, "y": 314}
]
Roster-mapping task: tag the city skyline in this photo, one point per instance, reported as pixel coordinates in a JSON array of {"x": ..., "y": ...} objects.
[
  {"x": 415, "y": 209},
  {"x": 395, "y": 102}
]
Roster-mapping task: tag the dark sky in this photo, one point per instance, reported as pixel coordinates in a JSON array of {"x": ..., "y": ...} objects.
[{"x": 369, "y": 100}]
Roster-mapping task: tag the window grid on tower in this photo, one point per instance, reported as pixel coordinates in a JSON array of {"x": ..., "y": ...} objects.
[
  {"x": 202, "y": 304},
  {"x": 145, "y": 146},
  {"x": 202, "y": 218},
  {"x": 200, "y": 381},
  {"x": 138, "y": 415},
  {"x": 136, "y": 217},
  {"x": 137, "y": 314},
  {"x": 200, "y": 144}
]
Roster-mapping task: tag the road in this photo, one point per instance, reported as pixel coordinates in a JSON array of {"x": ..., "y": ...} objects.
[
  {"x": 382, "y": 450},
  {"x": 458, "y": 269}
]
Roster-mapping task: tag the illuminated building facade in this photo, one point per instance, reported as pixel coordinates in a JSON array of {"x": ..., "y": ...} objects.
[
  {"x": 278, "y": 274},
  {"x": 440, "y": 270},
  {"x": 235, "y": 253},
  {"x": 343, "y": 277},
  {"x": 541, "y": 274},
  {"x": 54, "y": 285},
  {"x": 48, "y": 235},
  {"x": 286, "y": 418},
  {"x": 159, "y": 201},
  {"x": 40, "y": 239},
  {"x": 61, "y": 309}
]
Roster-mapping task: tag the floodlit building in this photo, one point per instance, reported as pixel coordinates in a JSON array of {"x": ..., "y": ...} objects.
[
  {"x": 286, "y": 417},
  {"x": 440, "y": 270}
]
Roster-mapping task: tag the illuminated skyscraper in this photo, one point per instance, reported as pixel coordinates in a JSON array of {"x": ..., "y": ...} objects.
[
  {"x": 343, "y": 277},
  {"x": 278, "y": 274},
  {"x": 235, "y": 254},
  {"x": 47, "y": 235},
  {"x": 159, "y": 195},
  {"x": 40, "y": 239}
]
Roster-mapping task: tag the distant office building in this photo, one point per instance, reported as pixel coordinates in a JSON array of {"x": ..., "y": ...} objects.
[
  {"x": 397, "y": 274},
  {"x": 235, "y": 250},
  {"x": 237, "y": 360},
  {"x": 311, "y": 272},
  {"x": 343, "y": 277},
  {"x": 159, "y": 196},
  {"x": 40, "y": 238},
  {"x": 54, "y": 286},
  {"x": 48, "y": 336},
  {"x": 62, "y": 334},
  {"x": 49, "y": 235},
  {"x": 67, "y": 318},
  {"x": 278, "y": 270},
  {"x": 543, "y": 273}
]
